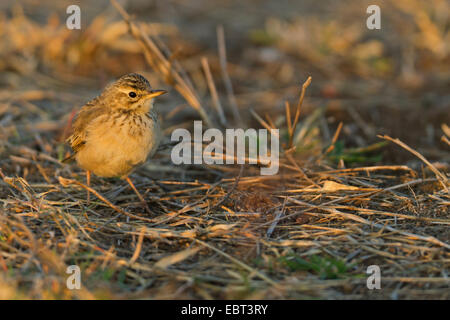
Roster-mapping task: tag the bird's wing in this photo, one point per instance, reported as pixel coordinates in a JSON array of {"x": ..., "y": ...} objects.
[{"x": 88, "y": 112}]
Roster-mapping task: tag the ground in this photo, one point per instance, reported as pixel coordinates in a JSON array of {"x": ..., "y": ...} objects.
[{"x": 363, "y": 176}]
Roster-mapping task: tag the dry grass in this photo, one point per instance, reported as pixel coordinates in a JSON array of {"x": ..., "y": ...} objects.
[{"x": 224, "y": 232}]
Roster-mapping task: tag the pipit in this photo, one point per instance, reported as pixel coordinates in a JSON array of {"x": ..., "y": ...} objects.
[{"x": 117, "y": 131}]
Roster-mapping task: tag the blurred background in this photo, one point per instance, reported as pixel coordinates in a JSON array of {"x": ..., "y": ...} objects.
[{"x": 391, "y": 81}]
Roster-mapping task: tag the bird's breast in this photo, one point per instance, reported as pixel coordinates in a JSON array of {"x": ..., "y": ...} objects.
[{"x": 117, "y": 142}]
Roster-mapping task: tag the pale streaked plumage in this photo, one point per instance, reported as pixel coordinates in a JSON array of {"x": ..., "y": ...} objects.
[{"x": 116, "y": 131}]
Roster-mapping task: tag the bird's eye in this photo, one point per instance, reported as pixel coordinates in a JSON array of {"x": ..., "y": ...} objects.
[{"x": 132, "y": 94}]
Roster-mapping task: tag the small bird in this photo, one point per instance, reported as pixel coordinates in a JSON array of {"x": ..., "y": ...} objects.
[{"x": 116, "y": 131}]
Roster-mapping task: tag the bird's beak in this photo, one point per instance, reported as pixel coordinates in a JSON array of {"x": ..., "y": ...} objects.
[{"x": 155, "y": 93}]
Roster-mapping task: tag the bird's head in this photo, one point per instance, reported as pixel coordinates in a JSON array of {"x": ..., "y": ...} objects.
[{"x": 131, "y": 92}]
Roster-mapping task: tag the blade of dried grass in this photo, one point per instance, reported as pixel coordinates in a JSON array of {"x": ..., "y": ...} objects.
[
  {"x": 288, "y": 119},
  {"x": 164, "y": 67},
  {"x": 225, "y": 77},
  {"x": 440, "y": 176},
  {"x": 241, "y": 264},
  {"x": 444, "y": 139},
  {"x": 213, "y": 91},
  {"x": 369, "y": 169},
  {"x": 299, "y": 105},
  {"x": 275, "y": 221},
  {"x": 446, "y": 129},
  {"x": 177, "y": 257},
  {"x": 227, "y": 196},
  {"x": 333, "y": 142},
  {"x": 137, "y": 252},
  {"x": 66, "y": 182},
  {"x": 262, "y": 122}
]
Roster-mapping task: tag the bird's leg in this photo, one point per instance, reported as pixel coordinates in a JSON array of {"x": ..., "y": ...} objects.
[
  {"x": 88, "y": 182},
  {"x": 138, "y": 194}
]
